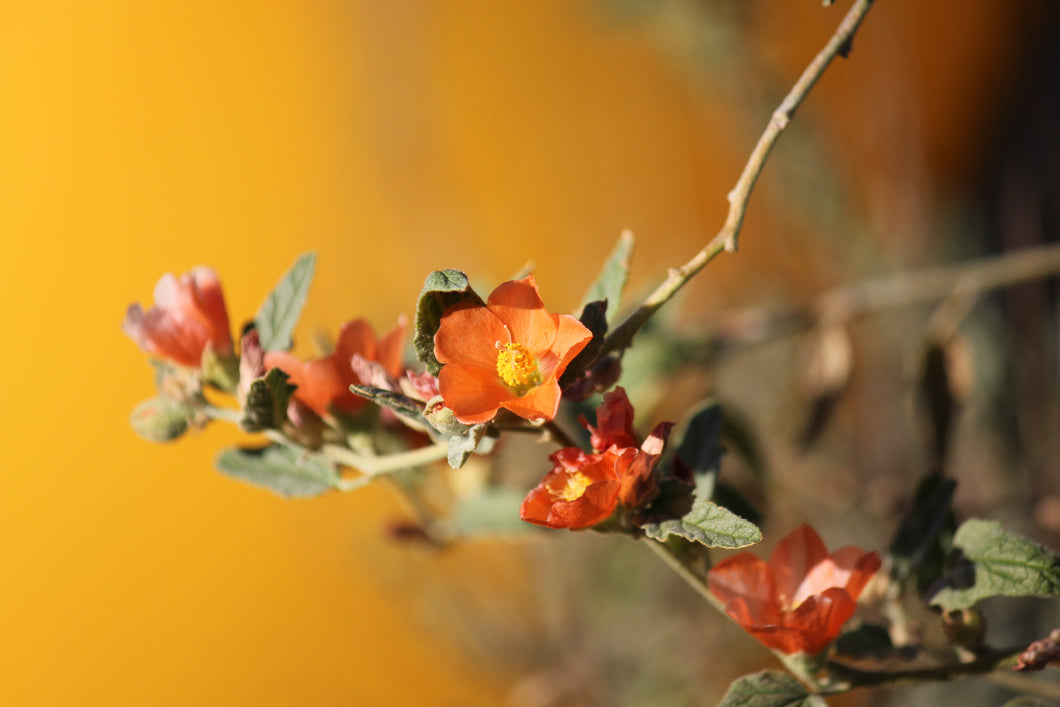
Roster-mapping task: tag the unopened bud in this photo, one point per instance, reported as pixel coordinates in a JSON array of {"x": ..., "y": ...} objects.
[
  {"x": 965, "y": 628},
  {"x": 159, "y": 419}
]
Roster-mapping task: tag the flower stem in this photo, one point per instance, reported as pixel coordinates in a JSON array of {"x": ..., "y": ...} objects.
[
  {"x": 694, "y": 579},
  {"x": 726, "y": 239}
]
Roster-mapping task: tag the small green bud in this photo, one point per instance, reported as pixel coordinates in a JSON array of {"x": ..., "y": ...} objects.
[{"x": 159, "y": 419}]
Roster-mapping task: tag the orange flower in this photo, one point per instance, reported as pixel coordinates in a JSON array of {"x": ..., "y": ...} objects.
[
  {"x": 584, "y": 489},
  {"x": 189, "y": 314},
  {"x": 508, "y": 354},
  {"x": 324, "y": 383},
  {"x": 580, "y": 490},
  {"x": 798, "y": 601}
]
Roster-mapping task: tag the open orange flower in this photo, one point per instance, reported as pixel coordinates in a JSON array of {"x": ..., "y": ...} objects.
[
  {"x": 798, "y": 601},
  {"x": 508, "y": 354},
  {"x": 324, "y": 383},
  {"x": 189, "y": 314},
  {"x": 584, "y": 489},
  {"x": 581, "y": 490}
]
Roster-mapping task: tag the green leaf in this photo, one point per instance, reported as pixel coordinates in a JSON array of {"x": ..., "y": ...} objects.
[
  {"x": 279, "y": 313},
  {"x": 403, "y": 405},
  {"x": 461, "y": 447},
  {"x": 441, "y": 290},
  {"x": 994, "y": 562},
  {"x": 920, "y": 537},
  {"x": 700, "y": 446},
  {"x": 493, "y": 512},
  {"x": 1026, "y": 702},
  {"x": 612, "y": 278},
  {"x": 769, "y": 688},
  {"x": 708, "y": 524},
  {"x": 160, "y": 419},
  {"x": 281, "y": 470},
  {"x": 266, "y": 405}
]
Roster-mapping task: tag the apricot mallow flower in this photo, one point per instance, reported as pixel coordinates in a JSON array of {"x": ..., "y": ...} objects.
[
  {"x": 188, "y": 316},
  {"x": 585, "y": 489},
  {"x": 324, "y": 383},
  {"x": 798, "y": 601},
  {"x": 508, "y": 354}
]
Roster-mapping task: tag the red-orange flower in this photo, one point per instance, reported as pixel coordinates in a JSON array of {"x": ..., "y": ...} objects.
[
  {"x": 508, "y": 354},
  {"x": 584, "y": 489},
  {"x": 799, "y": 600},
  {"x": 580, "y": 490},
  {"x": 324, "y": 383},
  {"x": 189, "y": 314}
]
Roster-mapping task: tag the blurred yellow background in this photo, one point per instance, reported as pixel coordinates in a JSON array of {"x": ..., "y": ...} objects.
[{"x": 393, "y": 139}]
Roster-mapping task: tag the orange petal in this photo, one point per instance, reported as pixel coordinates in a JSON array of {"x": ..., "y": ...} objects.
[
  {"x": 865, "y": 565},
  {"x": 473, "y": 394},
  {"x": 571, "y": 338},
  {"x": 468, "y": 336},
  {"x": 391, "y": 348},
  {"x": 792, "y": 559},
  {"x": 541, "y": 402},
  {"x": 820, "y": 618},
  {"x": 742, "y": 575},
  {"x": 518, "y": 304},
  {"x": 356, "y": 337}
]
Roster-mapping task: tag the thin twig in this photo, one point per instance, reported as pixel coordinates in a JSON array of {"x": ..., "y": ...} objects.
[
  {"x": 992, "y": 665},
  {"x": 726, "y": 239},
  {"x": 965, "y": 280}
]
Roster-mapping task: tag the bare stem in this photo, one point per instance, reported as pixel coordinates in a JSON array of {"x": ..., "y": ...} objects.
[
  {"x": 994, "y": 665},
  {"x": 965, "y": 281},
  {"x": 726, "y": 239}
]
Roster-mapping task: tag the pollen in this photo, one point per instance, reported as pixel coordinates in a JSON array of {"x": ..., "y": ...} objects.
[
  {"x": 575, "y": 487},
  {"x": 517, "y": 368}
]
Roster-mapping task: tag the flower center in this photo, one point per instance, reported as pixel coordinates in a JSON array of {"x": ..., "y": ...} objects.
[
  {"x": 576, "y": 484},
  {"x": 517, "y": 368}
]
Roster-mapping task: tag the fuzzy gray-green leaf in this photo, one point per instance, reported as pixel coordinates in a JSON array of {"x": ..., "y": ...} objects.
[
  {"x": 708, "y": 524},
  {"x": 279, "y": 313},
  {"x": 281, "y": 470},
  {"x": 995, "y": 562},
  {"x": 769, "y": 688},
  {"x": 493, "y": 512},
  {"x": 441, "y": 290},
  {"x": 266, "y": 404},
  {"x": 612, "y": 278}
]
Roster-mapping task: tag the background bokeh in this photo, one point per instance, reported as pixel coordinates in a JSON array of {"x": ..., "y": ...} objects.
[{"x": 395, "y": 138}]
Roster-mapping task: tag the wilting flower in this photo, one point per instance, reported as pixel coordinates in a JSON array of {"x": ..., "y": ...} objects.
[
  {"x": 188, "y": 316},
  {"x": 324, "y": 383},
  {"x": 798, "y": 601},
  {"x": 508, "y": 354},
  {"x": 584, "y": 489}
]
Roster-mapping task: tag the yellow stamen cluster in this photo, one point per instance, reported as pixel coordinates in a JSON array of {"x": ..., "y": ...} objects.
[
  {"x": 577, "y": 482},
  {"x": 517, "y": 368}
]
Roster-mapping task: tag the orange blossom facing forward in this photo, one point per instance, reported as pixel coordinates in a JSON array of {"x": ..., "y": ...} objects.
[
  {"x": 188, "y": 316},
  {"x": 324, "y": 383},
  {"x": 584, "y": 489},
  {"x": 508, "y": 354},
  {"x": 798, "y": 601}
]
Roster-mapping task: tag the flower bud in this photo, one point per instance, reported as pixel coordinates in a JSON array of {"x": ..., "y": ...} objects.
[{"x": 159, "y": 419}]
